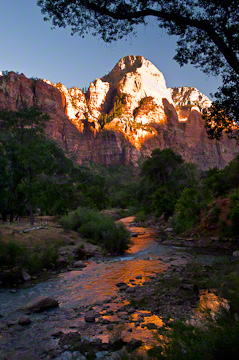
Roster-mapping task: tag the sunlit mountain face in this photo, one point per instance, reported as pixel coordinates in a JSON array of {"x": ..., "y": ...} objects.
[{"x": 123, "y": 116}]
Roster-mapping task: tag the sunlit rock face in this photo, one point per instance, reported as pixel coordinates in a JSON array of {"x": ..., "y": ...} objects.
[{"x": 123, "y": 116}]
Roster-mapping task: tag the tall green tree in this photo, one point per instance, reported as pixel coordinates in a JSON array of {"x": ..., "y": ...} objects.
[
  {"x": 158, "y": 168},
  {"x": 34, "y": 169},
  {"x": 208, "y": 32},
  {"x": 161, "y": 181}
]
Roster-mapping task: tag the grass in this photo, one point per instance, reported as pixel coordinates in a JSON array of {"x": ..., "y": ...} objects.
[
  {"x": 99, "y": 229},
  {"x": 34, "y": 250},
  {"x": 213, "y": 338}
]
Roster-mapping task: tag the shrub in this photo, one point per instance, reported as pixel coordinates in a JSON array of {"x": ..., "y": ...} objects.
[
  {"x": 216, "y": 341},
  {"x": 141, "y": 216},
  {"x": 234, "y": 212},
  {"x": 10, "y": 252},
  {"x": 98, "y": 228},
  {"x": 34, "y": 259},
  {"x": 213, "y": 216},
  {"x": 164, "y": 202},
  {"x": 188, "y": 208}
]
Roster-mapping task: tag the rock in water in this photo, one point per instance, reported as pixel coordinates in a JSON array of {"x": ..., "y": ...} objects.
[
  {"x": 90, "y": 316},
  {"x": 79, "y": 264},
  {"x": 41, "y": 303},
  {"x": 25, "y": 275}
]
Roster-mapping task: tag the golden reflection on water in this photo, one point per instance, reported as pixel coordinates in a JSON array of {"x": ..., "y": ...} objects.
[{"x": 98, "y": 281}]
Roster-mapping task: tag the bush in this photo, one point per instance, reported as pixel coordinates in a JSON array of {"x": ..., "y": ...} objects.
[
  {"x": 188, "y": 208},
  {"x": 99, "y": 229},
  {"x": 34, "y": 259},
  {"x": 141, "y": 217},
  {"x": 164, "y": 202},
  {"x": 10, "y": 253},
  {"x": 217, "y": 340},
  {"x": 234, "y": 212}
]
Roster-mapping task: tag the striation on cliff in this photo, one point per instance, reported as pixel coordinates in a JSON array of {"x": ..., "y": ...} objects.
[{"x": 123, "y": 116}]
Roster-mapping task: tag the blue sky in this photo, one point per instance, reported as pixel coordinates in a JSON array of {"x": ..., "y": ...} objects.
[{"x": 29, "y": 46}]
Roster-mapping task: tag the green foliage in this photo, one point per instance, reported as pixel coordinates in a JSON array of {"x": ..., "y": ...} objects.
[
  {"x": 164, "y": 175},
  {"x": 231, "y": 171},
  {"x": 141, "y": 216},
  {"x": 164, "y": 202},
  {"x": 214, "y": 337},
  {"x": 98, "y": 228},
  {"x": 116, "y": 112},
  {"x": 188, "y": 208},
  {"x": 91, "y": 189},
  {"x": 34, "y": 259},
  {"x": 9, "y": 253},
  {"x": 213, "y": 217},
  {"x": 158, "y": 168},
  {"x": 215, "y": 341},
  {"x": 217, "y": 182},
  {"x": 34, "y": 169},
  {"x": 233, "y": 216}
]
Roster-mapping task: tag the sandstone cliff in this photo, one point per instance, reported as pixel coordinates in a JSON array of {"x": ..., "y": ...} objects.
[{"x": 123, "y": 116}]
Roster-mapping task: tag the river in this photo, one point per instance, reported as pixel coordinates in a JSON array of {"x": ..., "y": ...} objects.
[{"x": 77, "y": 291}]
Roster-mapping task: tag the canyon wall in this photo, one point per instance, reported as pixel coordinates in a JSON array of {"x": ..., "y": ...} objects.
[{"x": 122, "y": 117}]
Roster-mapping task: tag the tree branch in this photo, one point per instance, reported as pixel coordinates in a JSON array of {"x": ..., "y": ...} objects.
[{"x": 179, "y": 20}]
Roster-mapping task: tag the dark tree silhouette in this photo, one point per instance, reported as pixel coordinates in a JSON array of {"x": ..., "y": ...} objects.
[
  {"x": 208, "y": 32},
  {"x": 34, "y": 171}
]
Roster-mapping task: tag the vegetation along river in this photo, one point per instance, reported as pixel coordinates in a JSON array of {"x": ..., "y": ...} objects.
[{"x": 96, "y": 288}]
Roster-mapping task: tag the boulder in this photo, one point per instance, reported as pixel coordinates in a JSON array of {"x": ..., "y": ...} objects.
[
  {"x": 79, "y": 264},
  {"x": 41, "y": 303},
  {"x": 90, "y": 316},
  {"x": 24, "y": 320},
  {"x": 235, "y": 253}
]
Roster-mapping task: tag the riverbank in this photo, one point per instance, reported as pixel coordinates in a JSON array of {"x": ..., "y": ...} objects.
[
  {"x": 30, "y": 254},
  {"x": 114, "y": 304},
  {"x": 210, "y": 241}
]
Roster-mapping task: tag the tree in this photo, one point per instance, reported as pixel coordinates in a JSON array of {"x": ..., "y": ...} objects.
[
  {"x": 208, "y": 32},
  {"x": 32, "y": 166},
  {"x": 158, "y": 168},
  {"x": 157, "y": 187}
]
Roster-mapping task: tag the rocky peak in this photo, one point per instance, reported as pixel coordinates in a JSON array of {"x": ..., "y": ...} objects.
[
  {"x": 130, "y": 64},
  {"x": 138, "y": 77},
  {"x": 123, "y": 116},
  {"x": 183, "y": 96}
]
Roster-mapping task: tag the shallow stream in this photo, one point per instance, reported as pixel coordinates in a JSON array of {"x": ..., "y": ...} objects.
[{"x": 77, "y": 291}]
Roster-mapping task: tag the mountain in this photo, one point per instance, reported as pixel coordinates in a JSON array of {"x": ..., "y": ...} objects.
[{"x": 123, "y": 116}]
